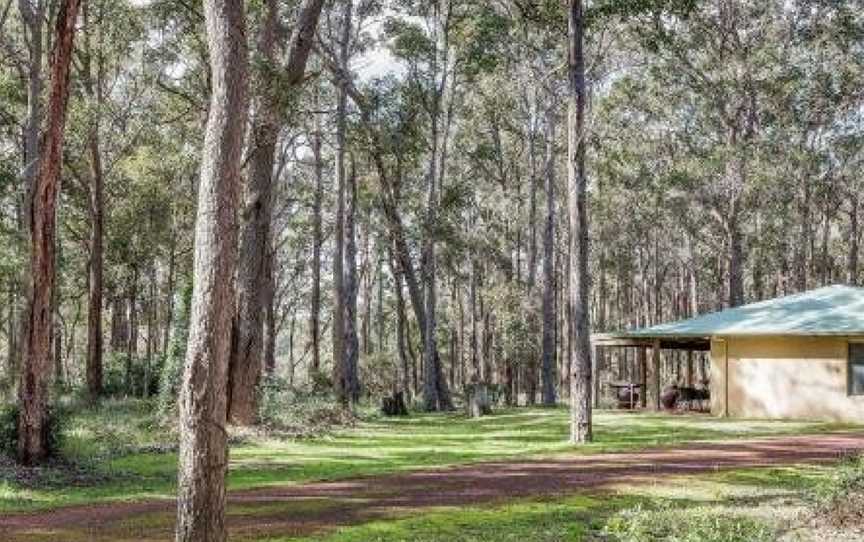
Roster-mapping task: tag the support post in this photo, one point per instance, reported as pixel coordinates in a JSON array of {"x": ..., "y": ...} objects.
[
  {"x": 643, "y": 376},
  {"x": 595, "y": 375},
  {"x": 688, "y": 370},
  {"x": 655, "y": 375}
]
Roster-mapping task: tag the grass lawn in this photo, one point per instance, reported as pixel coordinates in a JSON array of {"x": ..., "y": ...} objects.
[
  {"x": 745, "y": 505},
  {"x": 127, "y": 456},
  {"x": 573, "y": 518}
]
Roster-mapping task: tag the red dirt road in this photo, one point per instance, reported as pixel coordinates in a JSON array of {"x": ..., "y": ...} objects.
[{"x": 306, "y": 508}]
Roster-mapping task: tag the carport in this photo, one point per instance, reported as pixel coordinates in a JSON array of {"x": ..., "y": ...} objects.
[{"x": 645, "y": 340}]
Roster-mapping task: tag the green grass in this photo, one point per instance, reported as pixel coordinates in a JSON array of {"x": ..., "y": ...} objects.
[
  {"x": 738, "y": 505},
  {"x": 548, "y": 520},
  {"x": 742, "y": 505},
  {"x": 110, "y": 439}
]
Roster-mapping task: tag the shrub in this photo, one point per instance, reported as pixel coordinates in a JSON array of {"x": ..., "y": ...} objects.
[
  {"x": 52, "y": 430},
  {"x": 839, "y": 500},
  {"x": 378, "y": 373},
  {"x": 114, "y": 375},
  {"x": 284, "y": 408},
  {"x": 126, "y": 378},
  {"x": 670, "y": 524},
  {"x": 117, "y": 427},
  {"x": 320, "y": 382}
]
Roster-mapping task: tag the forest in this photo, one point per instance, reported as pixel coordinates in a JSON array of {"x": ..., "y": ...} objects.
[{"x": 247, "y": 223}]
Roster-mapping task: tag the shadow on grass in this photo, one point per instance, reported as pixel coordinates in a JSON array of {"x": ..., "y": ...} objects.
[{"x": 110, "y": 438}]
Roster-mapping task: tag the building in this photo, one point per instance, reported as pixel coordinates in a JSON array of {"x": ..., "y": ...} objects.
[{"x": 799, "y": 356}]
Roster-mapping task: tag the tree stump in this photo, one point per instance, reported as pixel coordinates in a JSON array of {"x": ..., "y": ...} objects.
[
  {"x": 478, "y": 401},
  {"x": 394, "y": 405}
]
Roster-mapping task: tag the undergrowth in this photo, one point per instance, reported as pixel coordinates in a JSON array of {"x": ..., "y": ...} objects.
[
  {"x": 669, "y": 523},
  {"x": 838, "y": 500}
]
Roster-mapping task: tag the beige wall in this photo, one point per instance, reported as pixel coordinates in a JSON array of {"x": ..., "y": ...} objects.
[{"x": 783, "y": 377}]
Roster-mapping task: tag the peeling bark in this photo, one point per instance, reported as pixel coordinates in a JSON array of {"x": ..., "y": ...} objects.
[{"x": 32, "y": 389}]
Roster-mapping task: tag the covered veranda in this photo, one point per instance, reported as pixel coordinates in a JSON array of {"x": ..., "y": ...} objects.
[{"x": 644, "y": 341}]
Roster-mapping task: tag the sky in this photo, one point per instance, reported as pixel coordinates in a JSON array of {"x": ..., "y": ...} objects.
[{"x": 378, "y": 62}]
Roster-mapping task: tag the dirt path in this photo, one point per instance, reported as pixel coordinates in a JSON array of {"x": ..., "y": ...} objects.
[{"x": 306, "y": 508}]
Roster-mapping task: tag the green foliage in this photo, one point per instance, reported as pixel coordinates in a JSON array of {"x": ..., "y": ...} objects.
[
  {"x": 483, "y": 39},
  {"x": 52, "y": 430},
  {"x": 409, "y": 41},
  {"x": 670, "y": 523},
  {"x": 115, "y": 428},
  {"x": 288, "y": 410},
  {"x": 624, "y": 9},
  {"x": 114, "y": 374},
  {"x": 378, "y": 372},
  {"x": 123, "y": 376},
  {"x": 521, "y": 325},
  {"x": 117, "y": 367},
  {"x": 838, "y": 500},
  {"x": 320, "y": 382}
]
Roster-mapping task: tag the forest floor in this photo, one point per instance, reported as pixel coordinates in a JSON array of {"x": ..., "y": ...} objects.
[{"x": 516, "y": 486}]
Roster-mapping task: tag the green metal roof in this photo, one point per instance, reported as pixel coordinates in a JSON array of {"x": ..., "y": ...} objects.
[{"x": 832, "y": 310}]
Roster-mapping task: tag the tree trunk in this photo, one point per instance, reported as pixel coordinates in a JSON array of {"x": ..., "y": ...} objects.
[
  {"x": 203, "y": 457},
  {"x": 368, "y": 281},
  {"x": 401, "y": 330},
  {"x": 475, "y": 343},
  {"x": 339, "y": 331},
  {"x": 436, "y": 395},
  {"x": 381, "y": 319},
  {"x": 119, "y": 324},
  {"x": 244, "y": 368},
  {"x": 736, "y": 256},
  {"x": 800, "y": 264},
  {"x": 32, "y": 390},
  {"x": 562, "y": 331},
  {"x": 388, "y": 202},
  {"x": 246, "y": 357},
  {"x": 580, "y": 343},
  {"x": 852, "y": 259},
  {"x": 692, "y": 278},
  {"x": 151, "y": 332},
  {"x": 317, "y": 240},
  {"x": 56, "y": 322},
  {"x": 532, "y": 212},
  {"x": 548, "y": 355},
  {"x": 93, "y": 87},
  {"x": 11, "y": 337},
  {"x": 132, "y": 343},
  {"x": 33, "y": 16},
  {"x": 825, "y": 257},
  {"x": 415, "y": 375},
  {"x": 169, "y": 297},
  {"x": 270, "y": 330},
  {"x": 349, "y": 385}
]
